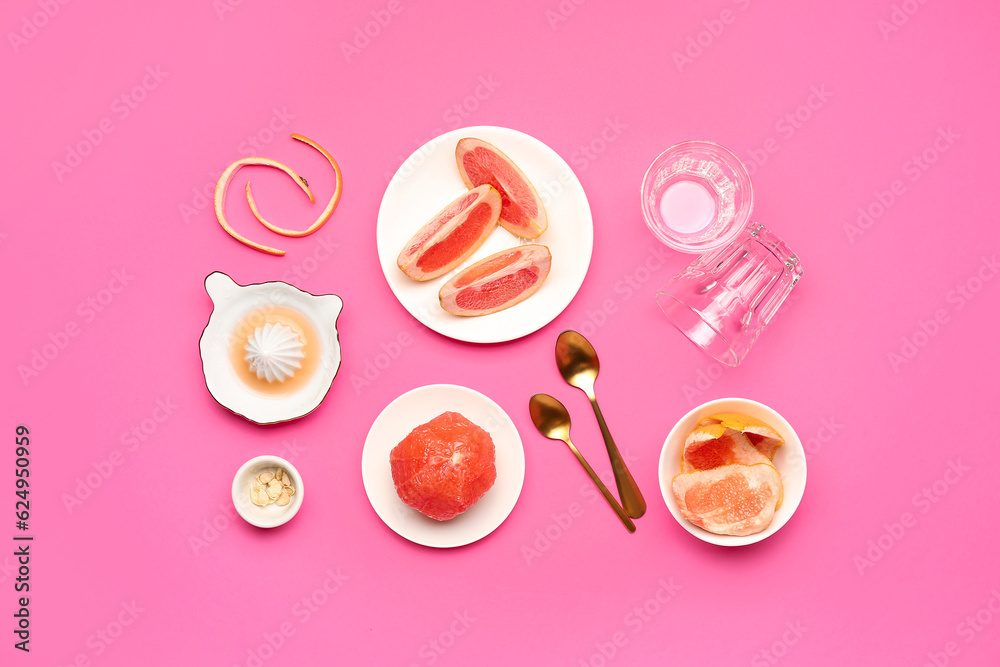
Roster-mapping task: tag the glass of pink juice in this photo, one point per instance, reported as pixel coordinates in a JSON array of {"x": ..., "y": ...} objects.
[{"x": 696, "y": 196}]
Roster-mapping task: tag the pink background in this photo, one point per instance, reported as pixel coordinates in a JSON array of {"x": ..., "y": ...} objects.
[{"x": 886, "y": 370}]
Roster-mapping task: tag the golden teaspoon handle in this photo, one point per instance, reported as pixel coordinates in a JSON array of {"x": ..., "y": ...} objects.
[
  {"x": 634, "y": 503},
  {"x": 604, "y": 490}
]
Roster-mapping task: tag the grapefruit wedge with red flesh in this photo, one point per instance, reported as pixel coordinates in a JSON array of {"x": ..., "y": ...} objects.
[
  {"x": 443, "y": 467},
  {"x": 522, "y": 213},
  {"x": 713, "y": 445},
  {"x": 729, "y": 500},
  {"x": 497, "y": 282},
  {"x": 451, "y": 235}
]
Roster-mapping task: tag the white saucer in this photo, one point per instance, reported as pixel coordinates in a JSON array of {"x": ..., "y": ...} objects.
[{"x": 419, "y": 406}]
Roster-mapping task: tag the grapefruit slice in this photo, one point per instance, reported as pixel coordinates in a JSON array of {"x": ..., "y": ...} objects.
[
  {"x": 443, "y": 467},
  {"x": 480, "y": 162},
  {"x": 452, "y": 235},
  {"x": 497, "y": 282},
  {"x": 327, "y": 212},
  {"x": 761, "y": 435},
  {"x": 714, "y": 445},
  {"x": 729, "y": 500}
]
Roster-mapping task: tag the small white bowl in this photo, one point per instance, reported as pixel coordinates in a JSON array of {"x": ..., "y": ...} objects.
[
  {"x": 271, "y": 515},
  {"x": 790, "y": 460}
]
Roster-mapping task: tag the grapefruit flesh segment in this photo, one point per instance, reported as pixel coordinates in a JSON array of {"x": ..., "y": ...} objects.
[
  {"x": 452, "y": 235},
  {"x": 729, "y": 500},
  {"x": 497, "y": 282},
  {"x": 763, "y": 437},
  {"x": 709, "y": 447},
  {"x": 522, "y": 213},
  {"x": 443, "y": 467}
]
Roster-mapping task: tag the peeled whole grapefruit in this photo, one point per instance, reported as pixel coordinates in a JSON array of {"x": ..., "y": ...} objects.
[
  {"x": 443, "y": 467},
  {"x": 497, "y": 282},
  {"x": 522, "y": 213},
  {"x": 451, "y": 235},
  {"x": 729, "y": 500}
]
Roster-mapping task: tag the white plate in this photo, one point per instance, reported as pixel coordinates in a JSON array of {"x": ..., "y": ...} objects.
[
  {"x": 419, "y": 406},
  {"x": 428, "y": 180},
  {"x": 790, "y": 460}
]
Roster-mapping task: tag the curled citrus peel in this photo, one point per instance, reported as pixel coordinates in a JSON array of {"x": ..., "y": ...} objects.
[
  {"x": 223, "y": 185},
  {"x": 227, "y": 176},
  {"x": 327, "y": 212}
]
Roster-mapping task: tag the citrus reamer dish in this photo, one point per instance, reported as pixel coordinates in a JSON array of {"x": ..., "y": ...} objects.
[{"x": 270, "y": 351}]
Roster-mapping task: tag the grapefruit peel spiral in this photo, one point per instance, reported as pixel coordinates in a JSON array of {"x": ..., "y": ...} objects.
[{"x": 227, "y": 176}]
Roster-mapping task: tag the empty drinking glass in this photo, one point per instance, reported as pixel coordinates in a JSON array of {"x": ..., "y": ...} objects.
[{"x": 726, "y": 297}]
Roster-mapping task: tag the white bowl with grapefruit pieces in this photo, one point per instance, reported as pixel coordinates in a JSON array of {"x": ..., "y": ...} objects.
[{"x": 732, "y": 471}]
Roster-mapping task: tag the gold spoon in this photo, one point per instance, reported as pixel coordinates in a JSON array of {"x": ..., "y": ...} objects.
[
  {"x": 552, "y": 420},
  {"x": 578, "y": 364}
]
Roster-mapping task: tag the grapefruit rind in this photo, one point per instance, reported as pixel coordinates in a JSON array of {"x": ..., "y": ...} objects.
[
  {"x": 226, "y": 178},
  {"x": 223, "y": 186},
  {"x": 498, "y": 282},
  {"x": 327, "y": 212},
  {"x": 523, "y": 213},
  {"x": 448, "y": 225}
]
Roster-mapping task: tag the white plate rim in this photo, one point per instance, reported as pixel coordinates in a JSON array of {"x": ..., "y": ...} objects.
[
  {"x": 790, "y": 460},
  {"x": 418, "y": 406},
  {"x": 428, "y": 180}
]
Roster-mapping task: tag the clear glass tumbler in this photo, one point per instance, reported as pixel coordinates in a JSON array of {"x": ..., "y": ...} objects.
[
  {"x": 696, "y": 196},
  {"x": 726, "y": 297}
]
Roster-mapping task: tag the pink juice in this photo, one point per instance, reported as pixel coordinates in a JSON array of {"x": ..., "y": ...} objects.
[{"x": 687, "y": 207}]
